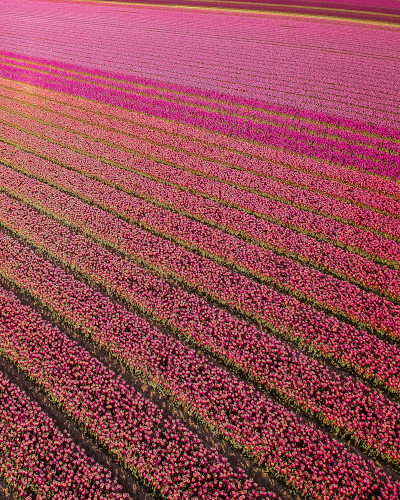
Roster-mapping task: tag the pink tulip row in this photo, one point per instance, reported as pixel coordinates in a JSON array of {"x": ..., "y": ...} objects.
[
  {"x": 36, "y": 457},
  {"x": 234, "y": 111},
  {"x": 244, "y": 103},
  {"x": 157, "y": 449},
  {"x": 345, "y": 87},
  {"x": 302, "y": 282},
  {"x": 276, "y": 438},
  {"x": 190, "y": 153},
  {"x": 212, "y": 145},
  {"x": 204, "y": 176},
  {"x": 379, "y": 162},
  {"x": 384, "y": 164},
  {"x": 302, "y": 382},
  {"x": 357, "y": 351},
  {"x": 310, "y": 223},
  {"x": 190, "y": 99},
  {"x": 61, "y": 114},
  {"x": 253, "y": 423}
]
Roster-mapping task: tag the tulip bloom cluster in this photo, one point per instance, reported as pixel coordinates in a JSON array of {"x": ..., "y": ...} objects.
[
  {"x": 344, "y": 344},
  {"x": 189, "y": 139},
  {"x": 35, "y": 456},
  {"x": 157, "y": 449},
  {"x": 204, "y": 176},
  {"x": 197, "y": 111},
  {"x": 211, "y": 145},
  {"x": 302, "y": 382},
  {"x": 291, "y": 277},
  {"x": 206, "y": 210}
]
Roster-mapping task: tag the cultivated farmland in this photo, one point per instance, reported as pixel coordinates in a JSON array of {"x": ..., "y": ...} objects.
[{"x": 199, "y": 250}]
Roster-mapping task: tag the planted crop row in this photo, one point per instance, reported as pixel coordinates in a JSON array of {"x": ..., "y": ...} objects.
[
  {"x": 36, "y": 458},
  {"x": 271, "y": 435},
  {"x": 302, "y": 282},
  {"x": 273, "y": 365},
  {"x": 128, "y": 134},
  {"x": 384, "y": 163},
  {"x": 157, "y": 449},
  {"x": 359, "y": 352},
  {"x": 223, "y": 117},
  {"x": 205, "y": 176},
  {"x": 209, "y": 144},
  {"x": 260, "y": 231}
]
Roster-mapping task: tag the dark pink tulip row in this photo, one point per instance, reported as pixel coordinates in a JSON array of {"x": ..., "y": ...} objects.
[
  {"x": 302, "y": 382},
  {"x": 157, "y": 449},
  {"x": 264, "y": 430},
  {"x": 347, "y": 346},
  {"x": 35, "y": 456},
  {"x": 323, "y": 290},
  {"x": 209, "y": 144},
  {"x": 385, "y": 164},
  {"x": 238, "y": 116},
  {"x": 300, "y": 114},
  {"x": 205, "y": 176},
  {"x": 195, "y": 153}
]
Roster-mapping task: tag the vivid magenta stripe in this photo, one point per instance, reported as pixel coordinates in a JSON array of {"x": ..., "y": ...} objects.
[
  {"x": 136, "y": 136},
  {"x": 234, "y": 115},
  {"x": 237, "y": 113},
  {"x": 92, "y": 75}
]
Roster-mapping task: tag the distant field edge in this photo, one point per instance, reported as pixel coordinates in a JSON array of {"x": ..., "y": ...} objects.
[{"x": 389, "y": 17}]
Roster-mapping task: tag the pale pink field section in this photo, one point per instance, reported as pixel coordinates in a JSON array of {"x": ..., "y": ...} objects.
[{"x": 342, "y": 68}]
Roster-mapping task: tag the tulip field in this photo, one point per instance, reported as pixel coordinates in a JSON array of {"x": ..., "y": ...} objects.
[{"x": 199, "y": 249}]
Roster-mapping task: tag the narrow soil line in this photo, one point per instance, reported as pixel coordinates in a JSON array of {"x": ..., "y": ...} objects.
[{"x": 6, "y": 493}]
